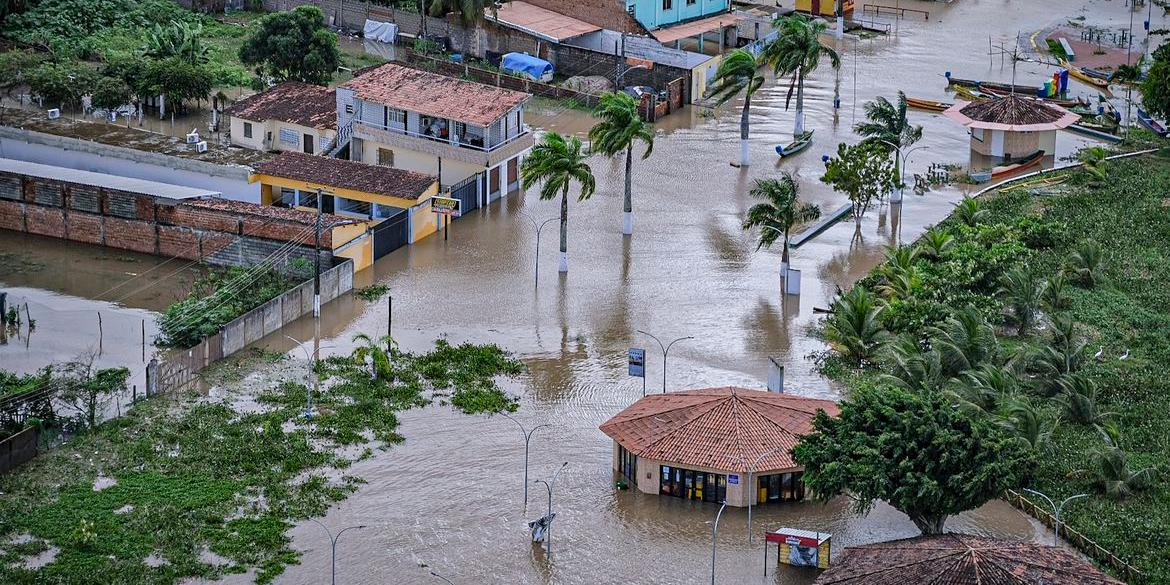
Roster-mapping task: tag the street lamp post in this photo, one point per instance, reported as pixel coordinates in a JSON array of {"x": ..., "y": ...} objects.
[
  {"x": 1056, "y": 510},
  {"x": 539, "y": 227},
  {"x": 902, "y": 156},
  {"x": 434, "y": 574},
  {"x": 312, "y": 373},
  {"x": 333, "y": 541},
  {"x": 665, "y": 351},
  {"x": 527, "y": 437},
  {"x": 752, "y": 493},
  {"x": 714, "y": 534},
  {"x": 549, "y": 486}
]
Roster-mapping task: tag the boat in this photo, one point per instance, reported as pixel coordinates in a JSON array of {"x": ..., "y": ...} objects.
[
  {"x": 1094, "y": 133},
  {"x": 1106, "y": 75},
  {"x": 970, "y": 94},
  {"x": 1018, "y": 165},
  {"x": 995, "y": 85},
  {"x": 798, "y": 144},
  {"x": 1150, "y": 123},
  {"x": 1085, "y": 77},
  {"x": 930, "y": 105}
]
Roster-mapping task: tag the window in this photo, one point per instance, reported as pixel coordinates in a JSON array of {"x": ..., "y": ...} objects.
[
  {"x": 354, "y": 206},
  {"x": 393, "y": 116},
  {"x": 690, "y": 2},
  {"x": 247, "y": 129},
  {"x": 349, "y": 108},
  {"x": 628, "y": 463},
  {"x": 385, "y": 157},
  {"x": 667, "y": 4},
  {"x": 289, "y": 136}
]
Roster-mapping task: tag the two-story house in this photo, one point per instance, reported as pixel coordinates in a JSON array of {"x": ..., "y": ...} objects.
[
  {"x": 289, "y": 117},
  {"x": 470, "y": 135},
  {"x": 654, "y": 14}
]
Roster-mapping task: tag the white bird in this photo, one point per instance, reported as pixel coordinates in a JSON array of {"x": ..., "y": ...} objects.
[
  {"x": 1124, "y": 356},
  {"x": 1100, "y": 352}
]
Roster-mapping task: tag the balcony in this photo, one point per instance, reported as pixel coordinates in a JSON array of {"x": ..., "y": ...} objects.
[{"x": 468, "y": 149}]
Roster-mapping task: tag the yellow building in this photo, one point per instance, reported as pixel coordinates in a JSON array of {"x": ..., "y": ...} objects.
[
  {"x": 396, "y": 203},
  {"x": 292, "y": 117},
  {"x": 824, "y": 7}
]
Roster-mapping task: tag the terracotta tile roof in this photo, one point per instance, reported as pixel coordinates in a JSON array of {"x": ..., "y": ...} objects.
[
  {"x": 293, "y": 102},
  {"x": 541, "y": 21},
  {"x": 344, "y": 174},
  {"x": 284, "y": 214},
  {"x": 437, "y": 95},
  {"x": 720, "y": 428},
  {"x": 961, "y": 559}
]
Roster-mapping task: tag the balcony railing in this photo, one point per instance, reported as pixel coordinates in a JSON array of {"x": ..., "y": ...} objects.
[
  {"x": 472, "y": 141},
  {"x": 471, "y": 153}
]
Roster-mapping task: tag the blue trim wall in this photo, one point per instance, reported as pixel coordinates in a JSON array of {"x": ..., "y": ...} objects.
[{"x": 652, "y": 15}]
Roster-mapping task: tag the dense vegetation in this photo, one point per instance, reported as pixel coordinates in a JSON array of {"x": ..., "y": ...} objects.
[
  {"x": 216, "y": 299},
  {"x": 1048, "y": 316},
  {"x": 205, "y": 478},
  {"x": 71, "y": 396}
]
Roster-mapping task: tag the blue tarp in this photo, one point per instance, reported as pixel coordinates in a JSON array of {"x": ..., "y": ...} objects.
[{"x": 522, "y": 63}]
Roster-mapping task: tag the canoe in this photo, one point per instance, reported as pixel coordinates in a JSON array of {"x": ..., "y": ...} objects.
[
  {"x": 1020, "y": 164},
  {"x": 1150, "y": 123},
  {"x": 930, "y": 105},
  {"x": 1085, "y": 77},
  {"x": 983, "y": 85},
  {"x": 1094, "y": 133},
  {"x": 798, "y": 144},
  {"x": 1106, "y": 75}
]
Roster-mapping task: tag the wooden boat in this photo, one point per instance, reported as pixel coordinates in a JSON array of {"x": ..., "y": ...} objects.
[
  {"x": 929, "y": 105},
  {"x": 1106, "y": 75},
  {"x": 1085, "y": 77},
  {"x": 995, "y": 85},
  {"x": 798, "y": 144},
  {"x": 1150, "y": 123},
  {"x": 1094, "y": 133},
  {"x": 1020, "y": 164}
]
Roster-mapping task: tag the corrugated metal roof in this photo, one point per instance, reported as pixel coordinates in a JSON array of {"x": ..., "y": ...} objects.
[{"x": 115, "y": 182}]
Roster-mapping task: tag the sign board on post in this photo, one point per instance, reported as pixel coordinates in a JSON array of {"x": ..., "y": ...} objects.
[
  {"x": 733, "y": 479},
  {"x": 637, "y": 362},
  {"x": 445, "y": 206}
]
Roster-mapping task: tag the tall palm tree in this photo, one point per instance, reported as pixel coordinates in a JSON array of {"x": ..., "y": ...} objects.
[
  {"x": 779, "y": 211},
  {"x": 1110, "y": 472},
  {"x": 619, "y": 128},
  {"x": 559, "y": 161},
  {"x": 797, "y": 51},
  {"x": 1029, "y": 424},
  {"x": 964, "y": 341},
  {"x": 887, "y": 125},
  {"x": 738, "y": 72}
]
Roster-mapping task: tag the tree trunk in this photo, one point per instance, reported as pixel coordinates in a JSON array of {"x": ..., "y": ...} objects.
[
  {"x": 564, "y": 266},
  {"x": 628, "y": 206},
  {"x": 784, "y": 258},
  {"x": 743, "y": 131},
  {"x": 799, "y": 128},
  {"x": 929, "y": 523}
]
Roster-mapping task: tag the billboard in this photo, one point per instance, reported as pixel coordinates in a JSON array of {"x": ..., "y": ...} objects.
[
  {"x": 445, "y": 206},
  {"x": 637, "y": 362}
]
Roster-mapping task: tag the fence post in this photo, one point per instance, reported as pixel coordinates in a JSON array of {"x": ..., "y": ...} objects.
[{"x": 152, "y": 377}]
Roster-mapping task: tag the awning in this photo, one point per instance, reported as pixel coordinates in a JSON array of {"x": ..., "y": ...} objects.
[
  {"x": 546, "y": 24},
  {"x": 695, "y": 28},
  {"x": 1066, "y": 119}
]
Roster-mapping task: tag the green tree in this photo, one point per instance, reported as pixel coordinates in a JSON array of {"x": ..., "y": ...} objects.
[
  {"x": 1111, "y": 474},
  {"x": 293, "y": 45},
  {"x": 1093, "y": 160},
  {"x": 1085, "y": 263},
  {"x": 620, "y": 127},
  {"x": 375, "y": 351},
  {"x": 913, "y": 450},
  {"x": 1156, "y": 88},
  {"x": 559, "y": 162},
  {"x": 178, "y": 39},
  {"x": 470, "y": 11},
  {"x": 964, "y": 341},
  {"x": 110, "y": 93},
  {"x": 61, "y": 85},
  {"x": 935, "y": 243},
  {"x": 779, "y": 210},
  {"x": 1022, "y": 293},
  {"x": 853, "y": 329},
  {"x": 863, "y": 173},
  {"x": 178, "y": 80},
  {"x": 797, "y": 51},
  {"x": 888, "y": 125},
  {"x": 738, "y": 72},
  {"x": 15, "y": 66},
  {"x": 86, "y": 389},
  {"x": 970, "y": 212}
]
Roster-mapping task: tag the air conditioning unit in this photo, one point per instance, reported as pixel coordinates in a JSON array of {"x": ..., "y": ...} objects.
[
  {"x": 201, "y": 146},
  {"x": 193, "y": 137},
  {"x": 54, "y": 113}
]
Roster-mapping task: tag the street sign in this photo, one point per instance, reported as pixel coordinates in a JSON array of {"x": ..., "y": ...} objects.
[
  {"x": 637, "y": 362},
  {"x": 445, "y": 206},
  {"x": 733, "y": 479}
]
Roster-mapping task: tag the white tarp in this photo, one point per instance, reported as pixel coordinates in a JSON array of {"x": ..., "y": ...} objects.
[{"x": 386, "y": 32}]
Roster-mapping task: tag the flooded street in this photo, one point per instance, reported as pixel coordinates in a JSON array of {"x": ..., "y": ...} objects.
[{"x": 451, "y": 496}]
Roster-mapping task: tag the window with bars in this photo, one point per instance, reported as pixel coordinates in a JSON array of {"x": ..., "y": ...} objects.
[
  {"x": 667, "y": 4},
  {"x": 247, "y": 129},
  {"x": 385, "y": 157},
  {"x": 290, "y": 137}
]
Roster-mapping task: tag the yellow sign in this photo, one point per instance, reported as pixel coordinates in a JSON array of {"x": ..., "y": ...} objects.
[{"x": 445, "y": 206}]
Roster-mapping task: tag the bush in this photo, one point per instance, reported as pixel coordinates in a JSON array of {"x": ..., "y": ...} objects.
[{"x": 215, "y": 300}]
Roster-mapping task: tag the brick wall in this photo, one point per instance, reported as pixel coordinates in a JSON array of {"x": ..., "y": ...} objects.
[
  {"x": 143, "y": 223},
  {"x": 580, "y": 61}
]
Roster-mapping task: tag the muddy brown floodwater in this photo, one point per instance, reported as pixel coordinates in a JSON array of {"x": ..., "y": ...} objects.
[{"x": 451, "y": 496}]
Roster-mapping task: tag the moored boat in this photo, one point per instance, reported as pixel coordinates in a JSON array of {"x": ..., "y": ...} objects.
[
  {"x": 1018, "y": 165},
  {"x": 930, "y": 105},
  {"x": 1094, "y": 132},
  {"x": 798, "y": 144},
  {"x": 1150, "y": 123}
]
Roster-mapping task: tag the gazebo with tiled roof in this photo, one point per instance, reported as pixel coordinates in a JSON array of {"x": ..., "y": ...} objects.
[
  {"x": 702, "y": 444},
  {"x": 961, "y": 559},
  {"x": 1012, "y": 126}
]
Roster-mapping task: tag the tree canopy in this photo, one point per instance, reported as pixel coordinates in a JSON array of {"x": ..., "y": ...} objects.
[
  {"x": 177, "y": 79},
  {"x": 916, "y": 451},
  {"x": 60, "y": 84},
  {"x": 863, "y": 172},
  {"x": 293, "y": 46}
]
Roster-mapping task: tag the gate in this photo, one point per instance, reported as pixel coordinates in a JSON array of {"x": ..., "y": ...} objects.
[
  {"x": 467, "y": 193},
  {"x": 392, "y": 233}
]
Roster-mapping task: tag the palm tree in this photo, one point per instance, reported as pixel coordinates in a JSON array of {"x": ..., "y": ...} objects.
[
  {"x": 1022, "y": 294},
  {"x": 738, "y": 72},
  {"x": 558, "y": 161},
  {"x": 935, "y": 243},
  {"x": 887, "y": 125},
  {"x": 797, "y": 51},
  {"x": 779, "y": 212},
  {"x": 906, "y": 365},
  {"x": 1085, "y": 263},
  {"x": 1028, "y": 424},
  {"x": 1093, "y": 160},
  {"x": 1110, "y": 472},
  {"x": 1079, "y": 398},
  {"x": 374, "y": 350},
  {"x": 619, "y": 128},
  {"x": 964, "y": 341},
  {"x": 969, "y": 211},
  {"x": 853, "y": 329},
  {"x": 1055, "y": 298}
]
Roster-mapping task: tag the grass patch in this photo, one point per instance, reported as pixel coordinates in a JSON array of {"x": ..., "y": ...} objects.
[
  {"x": 200, "y": 476},
  {"x": 372, "y": 292}
]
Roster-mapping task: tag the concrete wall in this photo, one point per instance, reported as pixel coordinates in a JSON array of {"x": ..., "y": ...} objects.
[
  {"x": 453, "y": 170},
  {"x": 582, "y": 61},
  {"x": 38, "y": 147},
  {"x": 652, "y": 15}
]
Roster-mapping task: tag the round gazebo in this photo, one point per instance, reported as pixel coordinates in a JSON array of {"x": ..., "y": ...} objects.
[
  {"x": 1012, "y": 126},
  {"x": 702, "y": 444},
  {"x": 961, "y": 559}
]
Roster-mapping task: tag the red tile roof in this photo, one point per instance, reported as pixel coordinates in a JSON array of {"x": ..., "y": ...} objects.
[
  {"x": 437, "y": 95},
  {"x": 719, "y": 428},
  {"x": 285, "y": 214},
  {"x": 344, "y": 174},
  {"x": 961, "y": 559},
  {"x": 293, "y": 102}
]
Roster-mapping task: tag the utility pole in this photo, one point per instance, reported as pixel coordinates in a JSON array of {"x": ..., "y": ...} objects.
[{"x": 317, "y": 258}]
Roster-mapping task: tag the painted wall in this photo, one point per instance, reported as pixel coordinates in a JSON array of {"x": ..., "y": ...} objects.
[
  {"x": 453, "y": 170},
  {"x": 653, "y": 13},
  {"x": 263, "y": 129}
]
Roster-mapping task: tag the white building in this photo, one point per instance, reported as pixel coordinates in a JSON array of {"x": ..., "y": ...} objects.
[{"x": 291, "y": 116}]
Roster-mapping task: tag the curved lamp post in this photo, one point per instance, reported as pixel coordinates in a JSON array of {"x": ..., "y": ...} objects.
[
  {"x": 714, "y": 534},
  {"x": 527, "y": 437},
  {"x": 539, "y": 226},
  {"x": 1056, "y": 510},
  {"x": 753, "y": 493},
  {"x": 665, "y": 351},
  {"x": 434, "y": 574},
  {"x": 333, "y": 541},
  {"x": 312, "y": 373},
  {"x": 549, "y": 486},
  {"x": 901, "y": 168}
]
